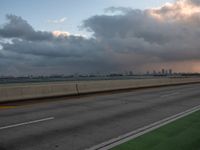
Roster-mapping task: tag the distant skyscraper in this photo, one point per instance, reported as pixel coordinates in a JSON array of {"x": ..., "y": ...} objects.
[
  {"x": 130, "y": 73},
  {"x": 170, "y": 71},
  {"x": 163, "y": 71}
]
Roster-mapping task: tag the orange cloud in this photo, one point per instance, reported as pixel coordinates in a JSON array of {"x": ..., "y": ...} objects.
[
  {"x": 60, "y": 33},
  {"x": 179, "y": 10}
]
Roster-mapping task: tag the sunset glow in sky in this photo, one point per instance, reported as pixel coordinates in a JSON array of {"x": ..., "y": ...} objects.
[
  {"x": 44, "y": 37},
  {"x": 176, "y": 10}
]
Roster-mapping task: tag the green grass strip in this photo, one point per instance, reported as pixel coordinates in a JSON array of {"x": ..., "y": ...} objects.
[{"x": 183, "y": 134}]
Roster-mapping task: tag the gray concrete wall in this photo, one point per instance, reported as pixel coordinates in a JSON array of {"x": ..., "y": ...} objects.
[
  {"x": 95, "y": 86},
  {"x": 26, "y": 91}
]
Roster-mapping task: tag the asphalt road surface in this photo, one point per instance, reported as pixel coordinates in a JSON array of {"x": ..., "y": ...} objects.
[{"x": 80, "y": 123}]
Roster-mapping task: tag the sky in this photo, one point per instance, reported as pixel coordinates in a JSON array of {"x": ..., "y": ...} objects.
[
  {"x": 39, "y": 12},
  {"x": 45, "y": 37}
]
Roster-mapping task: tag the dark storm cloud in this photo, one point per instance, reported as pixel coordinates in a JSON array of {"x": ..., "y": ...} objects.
[
  {"x": 19, "y": 28},
  {"x": 70, "y": 47},
  {"x": 136, "y": 31},
  {"x": 123, "y": 40},
  {"x": 27, "y": 50}
]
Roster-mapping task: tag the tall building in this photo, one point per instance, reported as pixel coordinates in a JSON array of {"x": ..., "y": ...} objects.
[
  {"x": 163, "y": 71},
  {"x": 170, "y": 71}
]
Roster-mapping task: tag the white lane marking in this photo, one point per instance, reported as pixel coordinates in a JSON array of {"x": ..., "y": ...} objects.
[
  {"x": 26, "y": 123},
  {"x": 141, "y": 131},
  {"x": 170, "y": 94}
]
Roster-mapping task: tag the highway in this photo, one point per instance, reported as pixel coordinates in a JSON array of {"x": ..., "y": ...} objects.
[{"x": 82, "y": 122}]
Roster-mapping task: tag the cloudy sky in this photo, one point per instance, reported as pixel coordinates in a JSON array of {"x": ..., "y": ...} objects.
[{"x": 43, "y": 37}]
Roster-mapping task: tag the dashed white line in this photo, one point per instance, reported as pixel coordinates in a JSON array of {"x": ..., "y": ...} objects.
[{"x": 26, "y": 123}]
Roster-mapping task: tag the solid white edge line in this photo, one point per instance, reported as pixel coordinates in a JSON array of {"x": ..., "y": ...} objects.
[
  {"x": 141, "y": 131},
  {"x": 26, "y": 123}
]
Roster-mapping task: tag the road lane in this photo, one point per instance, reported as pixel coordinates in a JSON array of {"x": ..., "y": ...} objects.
[
  {"x": 143, "y": 130},
  {"x": 83, "y": 122}
]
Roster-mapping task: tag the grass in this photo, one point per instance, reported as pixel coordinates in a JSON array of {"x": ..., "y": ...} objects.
[{"x": 183, "y": 134}]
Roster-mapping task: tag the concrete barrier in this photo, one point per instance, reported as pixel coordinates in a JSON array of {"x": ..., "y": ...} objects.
[
  {"x": 16, "y": 92},
  {"x": 21, "y": 92},
  {"x": 98, "y": 86}
]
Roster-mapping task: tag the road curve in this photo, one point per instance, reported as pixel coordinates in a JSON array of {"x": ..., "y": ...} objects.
[{"x": 81, "y": 123}]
